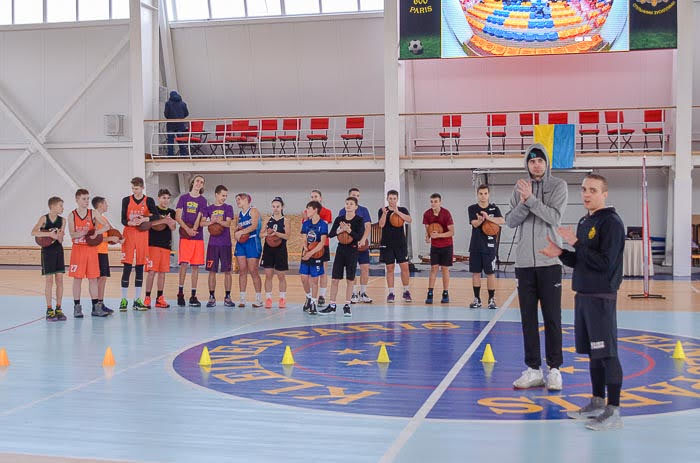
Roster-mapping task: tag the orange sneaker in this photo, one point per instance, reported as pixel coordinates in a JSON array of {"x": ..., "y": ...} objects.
[
  {"x": 268, "y": 303},
  {"x": 147, "y": 302},
  {"x": 283, "y": 303},
  {"x": 161, "y": 303}
]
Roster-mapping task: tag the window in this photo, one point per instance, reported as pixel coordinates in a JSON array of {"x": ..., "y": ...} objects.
[
  {"x": 29, "y": 11},
  {"x": 120, "y": 9},
  {"x": 5, "y": 12},
  {"x": 301, "y": 6},
  {"x": 226, "y": 9},
  {"x": 264, "y": 7},
  {"x": 60, "y": 11},
  {"x": 93, "y": 10},
  {"x": 372, "y": 5},
  {"x": 339, "y": 6},
  {"x": 191, "y": 9}
]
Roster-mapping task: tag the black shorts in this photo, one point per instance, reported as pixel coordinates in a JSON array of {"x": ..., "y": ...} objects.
[
  {"x": 482, "y": 262},
  {"x": 596, "y": 325},
  {"x": 441, "y": 256},
  {"x": 275, "y": 258},
  {"x": 345, "y": 261},
  {"x": 52, "y": 261},
  {"x": 326, "y": 254},
  {"x": 103, "y": 259},
  {"x": 363, "y": 257},
  {"x": 394, "y": 254}
]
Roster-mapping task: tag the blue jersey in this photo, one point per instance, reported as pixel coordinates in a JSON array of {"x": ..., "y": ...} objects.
[
  {"x": 245, "y": 221},
  {"x": 361, "y": 211},
  {"x": 314, "y": 231}
]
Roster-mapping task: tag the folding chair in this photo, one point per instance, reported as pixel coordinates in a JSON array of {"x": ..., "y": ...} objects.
[
  {"x": 293, "y": 126},
  {"x": 356, "y": 123},
  {"x": 616, "y": 119},
  {"x": 318, "y": 124},
  {"x": 654, "y": 116},
  {"x": 589, "y": 118},
  {"x": 267, "y": 126},
  {"x": 238, "y": 126},
  {"x": 195, "y": 138},
  {"x": 448, "y": 123},
  {"x": 219, "y": 141},
  {"x": 527, "y": 123},
  {"x": 558, "y": 118},
  {"x": 499, "y": 121}
]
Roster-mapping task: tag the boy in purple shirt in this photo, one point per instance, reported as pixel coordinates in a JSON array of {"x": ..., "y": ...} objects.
[
  {"x": 219, "y": 249},
  {"x": 190, "y": 209}
]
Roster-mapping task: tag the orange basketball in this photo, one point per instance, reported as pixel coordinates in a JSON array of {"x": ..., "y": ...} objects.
[
  {"x": 344, "y": 238},
  {"x": 490, "y": 228},
  {"x": 215, "y": 229},
  {"x": 434, "y": 227},
  {"x": 272, "y": 240},
  {"x": 395, "y": 220},
  {"x": 93, "y": 241},
  {"x": 113, "y": 232},
  {"x": 364, "y": 247},
  {"x": 244, "y": 237},
  {"x": 319, "y": 254},
  {"x": 44, "y": 241}
]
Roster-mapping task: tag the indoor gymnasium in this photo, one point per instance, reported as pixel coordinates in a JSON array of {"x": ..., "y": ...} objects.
[{"x": 349, "y": 231}]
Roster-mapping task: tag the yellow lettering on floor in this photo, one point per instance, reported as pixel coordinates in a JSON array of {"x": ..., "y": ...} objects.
[
  {"x": 665, "y": 388},
  {"x": 297, "y": 334},
  {"x": 440, "y": 326},
  {"x": 501, "y": 405},
  {"x": 336, "y": 395},
  {"x": 629, "y": 400}
]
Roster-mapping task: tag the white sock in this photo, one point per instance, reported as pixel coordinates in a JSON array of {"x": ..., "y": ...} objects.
[
  {"x": 242, "y": 297},
  {"x": 268, "y": 295},
  {"x": 363, "y": 289},
  {"x": 308, "y": 295},
  {"x": 406, "y": 288},
  {"x": 313, "y": 300},
  {"x": 332, "y": 302},
  {"x": 124, "y": 292},
  {"x": 355, "y": 288},
  {"x": 283, "y": 295},
  {"x": 258, "y": 297},
  {"x": 390, "y": 290},
  {"x": 137, "y": 294},
  {"x": 347, "y": 303},
  {"x": 322, "y": 292}
]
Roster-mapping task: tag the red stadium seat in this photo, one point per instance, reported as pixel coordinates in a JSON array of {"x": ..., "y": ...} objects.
[
  {"x": 590, "y": 119},
  {"x": 496, "y": 121},
  {"x": 558, "y": 118},
  {"x": 195, "y": 137},
  {"x": 655, "y": 117},
  {"x": 614, "y": 121},
  {"x": 319, "y": 132},
  {"x": 353, "y": 123},
  {"x": 449, "y": 123},
  {"x": 290, "y": 133},
  {"x": 220, "y": 133},
  {"x": 527, "y": 123},
  {"x": 268, "y": 132}
]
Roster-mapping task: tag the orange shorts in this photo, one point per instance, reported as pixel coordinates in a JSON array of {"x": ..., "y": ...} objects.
[
  {"x": 135, "y": 243},
  {"x": 191, "y": 252},
  {"x": 84, "y": 262},
  {"x": 158, "y": 260}
]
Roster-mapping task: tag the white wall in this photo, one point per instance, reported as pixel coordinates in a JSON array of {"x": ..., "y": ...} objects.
[{"x": 42, "y": 68}]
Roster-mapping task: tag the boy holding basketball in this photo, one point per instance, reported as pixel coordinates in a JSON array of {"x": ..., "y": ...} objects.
[
  {"x": 52, "y": 226},
  {"x": 314, "y": 232},
  {"x": 394, "y": 248},
  {"x": 482, "y": 245},
  {"x": 188, "y": 213},
  {"x": 327, "y": 216},
  {"x": 84, "y": 262},
  {"x": 103, "y": 225},
  {"x": 248, "y": 248},
  {"x": 439, "y": 230},
  {"x": 349, "y": 228},
  {"x": 219, "y": 250},
  {"x": 136, "y": 210},
  {"x": 359, "y": 293},
  {"x": 160, "y": 239},
  {"x": 275, "y": 257}
]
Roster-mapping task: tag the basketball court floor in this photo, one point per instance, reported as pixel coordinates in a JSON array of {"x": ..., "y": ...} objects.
[{"x": 435, "y": 400}]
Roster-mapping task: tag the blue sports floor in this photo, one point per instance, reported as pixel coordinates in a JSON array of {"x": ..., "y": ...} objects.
[{"x": 435, "y": 401}]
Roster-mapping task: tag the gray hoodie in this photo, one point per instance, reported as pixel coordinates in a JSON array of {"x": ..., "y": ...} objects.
[{"x": 537, "y": 217}]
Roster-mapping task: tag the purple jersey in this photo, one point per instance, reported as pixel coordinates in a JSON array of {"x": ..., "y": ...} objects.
[
  {"x": 225, "y": 212},
  {"x": 190, "y": 208}
]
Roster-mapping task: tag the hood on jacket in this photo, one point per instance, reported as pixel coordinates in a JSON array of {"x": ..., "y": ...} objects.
[
  {"x": 174, "y": 96},
  {"x": 529, "y": 150}
]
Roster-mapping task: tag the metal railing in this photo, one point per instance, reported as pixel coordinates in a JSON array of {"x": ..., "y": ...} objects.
[{"x": 274, "y": 137}]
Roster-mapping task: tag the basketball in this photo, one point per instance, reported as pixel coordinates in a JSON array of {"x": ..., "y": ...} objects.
[
  {"x": 93, "y": 241},
  {"x": 344, "y": 238},
  {"x": 272, "y": 240},
  {"x": 160, "y": 226},
  {"x": 364, "y": 247},
  {"x": 319, "y": 254},
  {"x": 184, "y": 234},
  {"x": 490, "y": 228},
  {"x": 143, "y": 226},
  {"x": 243, "y": 238},
  {"x": 215, "y": 229},
  {"x": 395, "y": 220},
  {"x": 44, "y": 241},
  {"x": 434, "y": 227},
  {"x": 113, "y": 232}
]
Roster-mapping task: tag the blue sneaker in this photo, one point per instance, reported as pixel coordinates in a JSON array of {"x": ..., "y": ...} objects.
[
  {"x": 445, "y": 298},
  {"x": 390, "y": 298}
]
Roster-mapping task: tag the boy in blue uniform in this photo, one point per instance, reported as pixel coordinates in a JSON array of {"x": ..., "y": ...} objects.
[
  {"x": 314, "y": 232},
  {"x": 248, "y": 253},
  {"x": 598, "y": 243}
]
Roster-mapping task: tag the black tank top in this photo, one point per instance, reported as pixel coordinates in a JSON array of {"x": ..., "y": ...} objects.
[
  {"x": 49, "y": 225},
  {"x": 278, "y": 226}
]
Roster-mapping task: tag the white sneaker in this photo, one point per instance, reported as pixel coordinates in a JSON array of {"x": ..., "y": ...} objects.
[
  {"x": 554, "y": 380},
  {"x": 365, "y": 299},
  {"x": 530, "y": 378},
  {"x": 354, "y": 299}
]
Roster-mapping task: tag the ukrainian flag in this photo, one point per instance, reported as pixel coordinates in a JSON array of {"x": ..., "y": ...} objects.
[{"x": 560, "y": 140}]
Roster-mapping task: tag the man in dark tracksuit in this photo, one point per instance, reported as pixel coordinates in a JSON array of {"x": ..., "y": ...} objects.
[
  {"x": 599, "y": 245},
  {"x": 175, "y": 108},
  {"x": 537, "y": 206}
]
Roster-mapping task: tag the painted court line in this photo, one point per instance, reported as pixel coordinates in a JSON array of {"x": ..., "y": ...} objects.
[
  {"x": 21, "y": 324},
  {"x": 695, "y": 289},
  {"x": 428, "y": 405}
]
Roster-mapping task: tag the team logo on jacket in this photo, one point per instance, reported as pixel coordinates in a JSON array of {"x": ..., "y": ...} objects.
[{"x": 591, "y": 233}]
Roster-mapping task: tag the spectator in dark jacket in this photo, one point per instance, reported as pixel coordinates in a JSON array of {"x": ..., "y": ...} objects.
[{"x": 175, "y": 108}]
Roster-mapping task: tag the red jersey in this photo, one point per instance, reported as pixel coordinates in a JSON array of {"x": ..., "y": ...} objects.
[
  {"x": 134, "y": 209},
  {"x": 444, "y": 218},
  {"x": 82, "y": 224}
]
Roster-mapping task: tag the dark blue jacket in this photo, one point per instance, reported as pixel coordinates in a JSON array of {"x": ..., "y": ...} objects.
[{"x": 175, "y": 108}]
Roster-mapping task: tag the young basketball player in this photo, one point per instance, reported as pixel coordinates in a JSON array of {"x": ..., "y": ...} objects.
[
  {"x": 103, "y": 225},
  {"x": 248, "y": 253},
  {"x": 359, "y": 293},
  {"x": 136, "y": 210},
  {"x": 314, "y": 232},
  {"x": 482, "y": 247},
  {"x": 394, "y": 245},
  {"x": 345, "y": 254},
  {"x": 441, "y": 246},
  {"x": 275, "y": 259},
  {"x": 159, "y": 245},
  {"x": 53, "y": 267},
  {"x": 189, "y": 211},
  {"x": 599, "y": 244},
  {"x": 327, "y": 216},
  {"x": 84, "y": 262},
  {"x": 219, "y": 249}
]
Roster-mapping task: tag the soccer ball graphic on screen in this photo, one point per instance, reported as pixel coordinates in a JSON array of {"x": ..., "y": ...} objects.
[{"x": 415, "y": 47}]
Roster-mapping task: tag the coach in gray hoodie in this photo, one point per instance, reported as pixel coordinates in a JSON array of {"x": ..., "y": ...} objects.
[{"x": 537, "y": 206}]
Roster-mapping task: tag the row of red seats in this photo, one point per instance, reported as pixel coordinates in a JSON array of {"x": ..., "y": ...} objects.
[
  {"x": 588, "y": 122},
  {"x": 242, "y": 133}
]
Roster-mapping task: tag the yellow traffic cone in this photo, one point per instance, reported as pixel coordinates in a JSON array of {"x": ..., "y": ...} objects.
[
  {"x": 108, "y": 360},
  {"x": 204, "y": 359},
  {"x": 678, "y": 352},
  {"x": 287, "y": 358},
  {"x": 383, "y": 356},
  {"x": 488, "y": 355},
  {"x": 4, "y": 361}
]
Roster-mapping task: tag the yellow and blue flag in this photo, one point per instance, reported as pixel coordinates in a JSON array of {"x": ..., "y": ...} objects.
[{"x": 560, "y": 141}]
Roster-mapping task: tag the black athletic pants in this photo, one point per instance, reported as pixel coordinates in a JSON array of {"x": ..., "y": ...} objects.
[{"x": 543, "y": 285}]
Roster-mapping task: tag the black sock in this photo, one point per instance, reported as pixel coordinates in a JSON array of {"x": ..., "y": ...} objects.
[
  {"x": 194, "y": 292},
  {"x": 126, "y": 275},
  {"x": 76, "y": 301},
  {"x": 148, "y": 294},
  {"x": 101, "y": 300},
  {"x": 445, "y": 292},
  {"x": 597, "y": 371},
  {"x": 614, "y": 394},
  {"x": 228, "y": 293},
  {"x": 613, "y": 379},
  {"x": 94, "y": 301},
  {"x": 492, "y": 293},
  {"x": 477, "y": 292},
  {"x": 211, "y": 293},
  {"x": 58, "y": 306},
  {"x": 160, "y": 293},
  {"x": 181, "y": 290}
]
